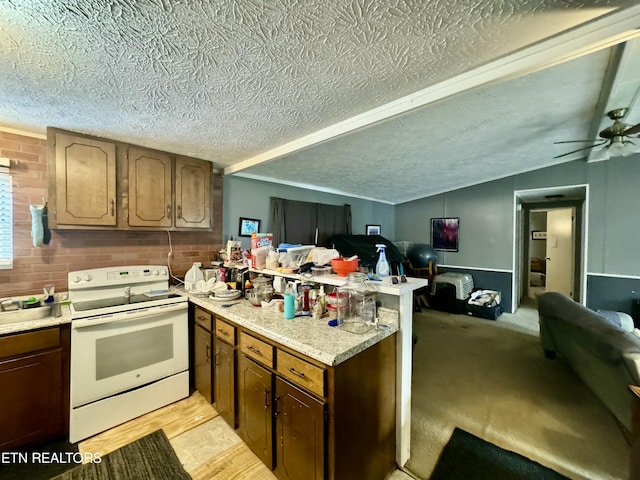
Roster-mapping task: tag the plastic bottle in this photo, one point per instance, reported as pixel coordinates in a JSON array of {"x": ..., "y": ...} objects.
[
  {"x": 322, "y": 299},
  {"x": 382, "y": 267},
  {"x": 193, "y": 276},
  {"x": 289, "y": 303}
]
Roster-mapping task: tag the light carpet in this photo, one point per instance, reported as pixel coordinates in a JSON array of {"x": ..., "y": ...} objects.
[{"x": 492, "y": 380}]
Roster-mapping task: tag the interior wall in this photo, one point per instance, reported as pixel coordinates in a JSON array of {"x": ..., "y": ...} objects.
[
  {"x": 250, "y": 198},
  {"x": 486, "y": 220},
  {"x": 72, "y": 250}
]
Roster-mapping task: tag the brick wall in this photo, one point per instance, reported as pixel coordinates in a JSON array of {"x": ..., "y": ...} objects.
[{"x": 76, "y": 250}]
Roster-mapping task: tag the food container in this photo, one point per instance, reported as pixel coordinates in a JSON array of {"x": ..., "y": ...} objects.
[
  {"x": 332, "y": 300},
  {"x": 358, "y": 313},
  {"x": 320, "y": 270},
  {"x": 258, "y": 295}
]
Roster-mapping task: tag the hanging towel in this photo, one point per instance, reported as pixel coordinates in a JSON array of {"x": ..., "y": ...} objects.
[{"x": 37, "y": 228}]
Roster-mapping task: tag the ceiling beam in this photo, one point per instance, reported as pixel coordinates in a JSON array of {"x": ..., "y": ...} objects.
[{"x": 600, "y": 33}]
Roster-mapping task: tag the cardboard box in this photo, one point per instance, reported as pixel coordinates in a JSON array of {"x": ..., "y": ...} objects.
[{"x": 261, "y": 240}]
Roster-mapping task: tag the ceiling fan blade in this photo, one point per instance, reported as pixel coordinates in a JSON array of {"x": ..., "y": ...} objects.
[
  {"x": 580, "y": 149},
  {"x": 574, "y": 141},
  {"x": 633, "y": 130}
]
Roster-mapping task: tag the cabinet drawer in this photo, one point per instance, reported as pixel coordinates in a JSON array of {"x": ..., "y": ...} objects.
[
  {"x": 225, "y": 332},
  {"x": 301, "y": 373},
  {"x": 203, "y": 318},
  {"x": 257, "y": 349},
  {"x": 27, "y": 342}
]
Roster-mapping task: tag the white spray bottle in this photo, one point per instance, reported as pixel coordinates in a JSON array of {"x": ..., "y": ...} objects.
[{"x": 382, "y": 267}]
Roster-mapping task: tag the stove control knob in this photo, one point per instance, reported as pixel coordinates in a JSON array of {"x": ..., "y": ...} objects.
[
  {"x": 76, "y": 279},
  {"x": 156, "y": 272},
  {"x": 87, "y": 277},
  {"x": 163, "y": 272}
]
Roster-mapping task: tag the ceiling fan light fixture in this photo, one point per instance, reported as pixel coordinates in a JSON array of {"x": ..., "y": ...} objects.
[{"x": 620, "y": 147}]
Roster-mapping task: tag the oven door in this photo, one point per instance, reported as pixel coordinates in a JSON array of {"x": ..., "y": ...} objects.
[{"x": 111, "y": 354}]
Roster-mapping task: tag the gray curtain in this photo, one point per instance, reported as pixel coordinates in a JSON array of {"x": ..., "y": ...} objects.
[
  {"x": 277, "y": 220},
  {"x": 307, "y": 223}
]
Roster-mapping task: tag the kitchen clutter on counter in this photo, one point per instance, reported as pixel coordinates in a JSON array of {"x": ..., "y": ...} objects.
[{"x": 288, "y": 279}]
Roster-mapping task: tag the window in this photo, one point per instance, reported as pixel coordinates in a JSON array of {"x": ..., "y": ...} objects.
[{"x": 6, "y": 216}]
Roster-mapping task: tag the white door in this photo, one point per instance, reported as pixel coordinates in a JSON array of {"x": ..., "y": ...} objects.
[{"x": 560, "y": 251}]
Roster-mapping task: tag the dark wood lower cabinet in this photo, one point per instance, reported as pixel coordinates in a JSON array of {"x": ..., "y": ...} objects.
[
  {"x": 300, "y": 434},
  {"x": 203, "y": 361},
  {"x": 34, "y": 387},
  {"x": 225, "y": 382},
  {"x": 255, "y": 408},
  {"x": 304, "y": 419}
]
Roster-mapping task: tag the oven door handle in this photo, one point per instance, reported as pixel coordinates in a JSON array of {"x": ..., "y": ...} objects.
[{"x": 126, "y": 316}]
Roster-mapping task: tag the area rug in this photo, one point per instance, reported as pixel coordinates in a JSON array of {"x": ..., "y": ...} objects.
[
  {"x": 466, "y": 456},
  {"x": 149, "y": 458}
]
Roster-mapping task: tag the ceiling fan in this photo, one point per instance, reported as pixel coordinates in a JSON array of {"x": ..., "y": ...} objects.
[{"x": 616, "y": 137}]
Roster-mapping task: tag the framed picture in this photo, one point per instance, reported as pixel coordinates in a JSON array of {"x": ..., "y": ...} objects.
[
  {"x": 444, "y": 234},
  {"x": 248, "y": 226},
  {"x": 538, "y": 235},
  {"x": 373, "y": 229}
]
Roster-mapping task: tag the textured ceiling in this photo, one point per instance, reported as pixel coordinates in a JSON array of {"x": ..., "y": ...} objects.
[{"x": 231, "y": 80}]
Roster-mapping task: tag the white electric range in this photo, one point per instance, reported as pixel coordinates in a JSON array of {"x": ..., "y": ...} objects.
[{"x": 129, "y": 346}]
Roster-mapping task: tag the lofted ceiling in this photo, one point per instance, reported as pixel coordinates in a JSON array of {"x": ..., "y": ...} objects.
[{"x": 388, "y": 100}]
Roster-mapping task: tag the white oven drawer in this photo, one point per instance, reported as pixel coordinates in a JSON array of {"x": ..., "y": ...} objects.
[{"x": 115, "y": 353}]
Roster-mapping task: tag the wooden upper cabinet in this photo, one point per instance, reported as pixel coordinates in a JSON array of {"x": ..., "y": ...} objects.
[
  {"x": 193, "y": 193},
  {"x": 85, "y": 181},
  {"x": 150, "y": 193},
  {"x": 97, "y": 184}
]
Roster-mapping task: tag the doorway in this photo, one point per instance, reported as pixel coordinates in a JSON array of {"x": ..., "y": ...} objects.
[{"x": 550, "y": 243}]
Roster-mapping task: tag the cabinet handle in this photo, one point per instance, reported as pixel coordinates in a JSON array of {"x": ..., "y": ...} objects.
[
  {"x": 254, "y": 350},
  {"x": 266, "y": 400},
  {"x": 275, "y": 406},
  {"x": 208, "y": 351},
  {"x": 215, "y": 359},
  {"x": 224, "y": 333},
  {"x": 112, "y": 204},
  {"x": 168, "y": 211},
  {"x": 179, "y": 211},
  {"x": 295, "y": 372}
]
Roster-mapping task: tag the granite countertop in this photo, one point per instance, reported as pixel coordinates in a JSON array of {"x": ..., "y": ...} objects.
[
  {"x": 9, "y": 328},
  {"x": 313, "y": 338}
]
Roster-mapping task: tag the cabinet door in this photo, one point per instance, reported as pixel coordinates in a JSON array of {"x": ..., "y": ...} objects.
[
  {"x": 225, "y": 382},
  {"x": 149, "y": 188},
  {"x": 85, "y": 181},
  {"x": 193, "y": 193},
  {"x": 300, "y": 434},
  {"x": 31, "y": 409},
  {"x": 255, "y": 421},
  {"x": 202, "y": 347}
]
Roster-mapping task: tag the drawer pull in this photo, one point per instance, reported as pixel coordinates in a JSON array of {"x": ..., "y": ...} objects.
[
  {"x": 295, "y": 372},
  {"x": 223, "y": 332},
  {"x": 254, "y": 350}
]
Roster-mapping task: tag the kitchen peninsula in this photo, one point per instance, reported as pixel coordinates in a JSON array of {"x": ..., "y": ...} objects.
[{"x": 370, "y": 371}]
